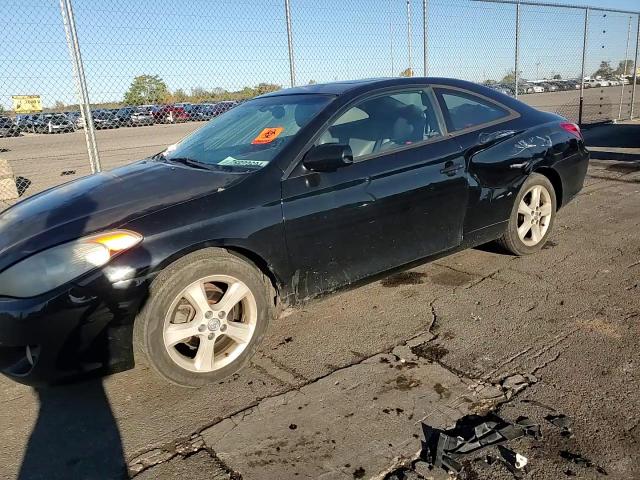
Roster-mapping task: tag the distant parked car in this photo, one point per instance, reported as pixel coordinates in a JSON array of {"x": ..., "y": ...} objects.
[
  {"x": 222, "y": 107},
  {"x": 549, "y": 87},
  {"x": 103, "y": 119},
  {"x": 53, "y": 123},
  {"x": 142, "y": 116},
  {"x": 572, "y": 84},
  {"x": 525, "y": 87},
  {"x": 190, "y": 110},
  {"x": 205, "y": 111},
  {"x": 72, "y": 116},
  {"x": 26, "y": 123},
  {"x": 502, "y": 89},
  {"x": 592, "y": 82},
  {"x": 123, "y": 116},
  {"x": 170, "y": 114},
  {"x": 8, "y": 128},
  {"x": 562, "y": 85}
]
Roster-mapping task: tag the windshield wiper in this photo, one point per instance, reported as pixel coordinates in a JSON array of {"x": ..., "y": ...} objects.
[{"x": 190, "y": 162}]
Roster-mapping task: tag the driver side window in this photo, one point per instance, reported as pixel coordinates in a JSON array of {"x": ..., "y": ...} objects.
[{"x": 385, "y": 123}]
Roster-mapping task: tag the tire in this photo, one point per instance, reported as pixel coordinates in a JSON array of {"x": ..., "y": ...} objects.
[
  {"x": 156, "y": 325},
  {"x": 536, "y": 236}
]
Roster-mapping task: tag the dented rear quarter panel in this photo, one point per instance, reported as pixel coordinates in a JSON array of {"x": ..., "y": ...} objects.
[{"x": 498, "y": 172}]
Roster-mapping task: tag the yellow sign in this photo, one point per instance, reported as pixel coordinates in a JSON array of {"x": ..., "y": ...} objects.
[{"x": 26, "y": 103}]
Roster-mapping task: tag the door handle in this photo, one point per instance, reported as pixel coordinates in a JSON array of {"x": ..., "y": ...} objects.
[{"x": 450, "y": 169}]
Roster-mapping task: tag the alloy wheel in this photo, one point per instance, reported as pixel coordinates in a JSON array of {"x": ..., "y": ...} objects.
[
  {"x": 534, "y": 215},
  {"x": 210, "y": 323}
]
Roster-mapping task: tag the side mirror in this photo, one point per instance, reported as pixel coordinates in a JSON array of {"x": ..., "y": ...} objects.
[{"x": 328, "y": 157}]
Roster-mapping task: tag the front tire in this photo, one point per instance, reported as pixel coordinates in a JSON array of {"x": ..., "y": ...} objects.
[
  {"x": 206, "y": 315},
  {"x": 532, "y": 217}
]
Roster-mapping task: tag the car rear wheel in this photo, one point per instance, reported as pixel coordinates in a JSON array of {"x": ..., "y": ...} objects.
[
  {"x": 206, "y": 315},
  {"x": 532, "y": 217}
]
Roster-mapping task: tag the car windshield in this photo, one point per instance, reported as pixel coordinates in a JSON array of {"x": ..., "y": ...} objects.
[{"x": 249, "y": 136}]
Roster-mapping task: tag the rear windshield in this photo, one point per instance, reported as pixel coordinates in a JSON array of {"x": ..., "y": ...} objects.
[{"x": 248, "y": 136}]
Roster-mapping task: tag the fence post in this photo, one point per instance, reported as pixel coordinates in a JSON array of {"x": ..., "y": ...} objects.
[
  {"x": 393, "y": 66},
  {"x": 626, "y": 55},
  {"x": 425, "y": 23},
  {"x": 517, "y": 59},
  {"x": 584, "y": 58},
  {"x": 409, "y": 38},
  {"x": 635, "y": 70},
  {"x": 68, "y": 19},
  {"x": 292, "y": 67}
]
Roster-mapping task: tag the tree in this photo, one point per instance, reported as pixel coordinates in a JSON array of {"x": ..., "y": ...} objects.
[
  {"x": 312, "y": 82},
  {"x": 605, "y": 70},
  {"x": 199, "y": 94},
  {"x": 180, "y": 95},
  {"x": 146, "y": 89},
  {"x": 407, "y": 72},
  {"x": 557, "y": 76},
  {"x": 59, "y": 106},
  {"x": 510, "y": 77},
  {"x": 262, "y": 88},
  {"x": 624, "y": 67}
]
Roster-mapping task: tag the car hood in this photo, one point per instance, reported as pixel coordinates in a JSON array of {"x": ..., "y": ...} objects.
[{"x": 99, "y": 202}]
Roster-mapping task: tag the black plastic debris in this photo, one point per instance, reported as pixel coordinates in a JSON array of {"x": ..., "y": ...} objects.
[
  {"x": 562, "y": 422},
  {"x": 578, "y": 459},
  {"x": 514, "y": 462},
  {"x": 473, "y": 432}
]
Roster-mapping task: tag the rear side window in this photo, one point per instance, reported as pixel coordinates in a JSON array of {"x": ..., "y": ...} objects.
[{"x": 464, "y": 110}]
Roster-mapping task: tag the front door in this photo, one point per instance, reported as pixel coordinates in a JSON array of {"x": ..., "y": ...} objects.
[{"x": 403, "y": 198}]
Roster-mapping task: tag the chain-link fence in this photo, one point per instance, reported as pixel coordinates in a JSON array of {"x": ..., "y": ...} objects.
[{"x": 121, "y": 80}]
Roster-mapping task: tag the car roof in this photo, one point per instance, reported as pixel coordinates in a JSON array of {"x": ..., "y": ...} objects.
[{"x": 342, "y": 87}]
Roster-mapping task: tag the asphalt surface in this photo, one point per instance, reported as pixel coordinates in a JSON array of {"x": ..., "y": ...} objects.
[
  {"x": 39, "y": 161},
  {"x": 340, "y": 387}
]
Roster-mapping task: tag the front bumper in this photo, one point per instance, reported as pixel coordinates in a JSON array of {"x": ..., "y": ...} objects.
[{"x": 80, "y": 330}]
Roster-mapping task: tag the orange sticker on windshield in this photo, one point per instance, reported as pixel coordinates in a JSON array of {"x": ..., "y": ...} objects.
[{"x": 267, "y": 135}]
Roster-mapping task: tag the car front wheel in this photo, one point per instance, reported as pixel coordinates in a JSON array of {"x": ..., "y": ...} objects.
[
  {"x": 532, "y": 217},
  {"x": 205, "y": 317}
]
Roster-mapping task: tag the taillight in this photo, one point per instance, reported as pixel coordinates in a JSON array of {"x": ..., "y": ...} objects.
[{"x": 572, "y": 128}]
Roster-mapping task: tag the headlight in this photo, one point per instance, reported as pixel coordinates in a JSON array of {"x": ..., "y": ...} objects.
[{"x": 56, "y": 266}]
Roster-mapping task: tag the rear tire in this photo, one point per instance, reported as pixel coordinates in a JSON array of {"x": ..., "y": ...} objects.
[
  {"x": 221, "y": 336},
  {"x": 532, "y": 217}
]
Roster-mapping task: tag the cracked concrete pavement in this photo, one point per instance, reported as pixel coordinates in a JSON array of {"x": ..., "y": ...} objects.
[{"x": 339, "y": 388}]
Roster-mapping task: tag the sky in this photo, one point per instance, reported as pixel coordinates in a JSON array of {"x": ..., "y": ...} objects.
[{"x": 235, "y": 43}]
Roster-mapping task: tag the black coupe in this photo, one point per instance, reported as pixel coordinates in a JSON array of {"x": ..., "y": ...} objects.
[{"x": 187, "y": 256}]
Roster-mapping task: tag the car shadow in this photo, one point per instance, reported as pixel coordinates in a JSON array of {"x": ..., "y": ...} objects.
[
  {"x": 75, "y": 436},
  {"x": 493, "y": 247},
  {"x": 615, "y": 156}
]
